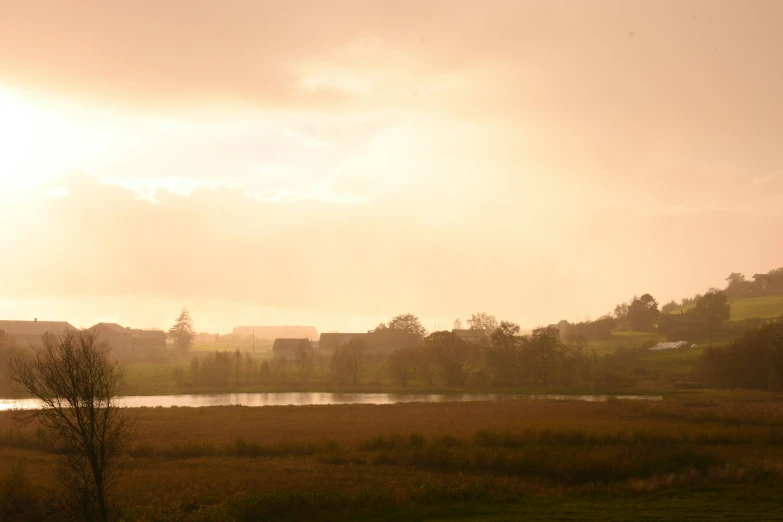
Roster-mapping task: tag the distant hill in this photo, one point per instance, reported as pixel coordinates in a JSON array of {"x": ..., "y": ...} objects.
[{"x": 764, "y": 307}]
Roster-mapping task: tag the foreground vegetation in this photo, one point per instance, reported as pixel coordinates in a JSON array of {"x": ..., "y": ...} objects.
[{"x": 489, "y": 460}]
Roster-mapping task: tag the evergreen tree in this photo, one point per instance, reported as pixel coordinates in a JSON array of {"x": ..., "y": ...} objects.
[
  {"x": 643, "y": 312},
  {"x": 183, "y": 332}
]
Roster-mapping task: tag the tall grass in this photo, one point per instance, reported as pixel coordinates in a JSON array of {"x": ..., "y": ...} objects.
[{"x": 567, "y": 456}]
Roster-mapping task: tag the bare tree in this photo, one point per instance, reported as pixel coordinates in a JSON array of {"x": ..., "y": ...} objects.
[
  {"x": 483, "y": 321},
  {"x": 77, "y": 387}
]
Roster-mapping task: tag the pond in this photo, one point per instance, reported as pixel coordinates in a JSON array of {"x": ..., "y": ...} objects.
[{"x": 322, "y": 399}]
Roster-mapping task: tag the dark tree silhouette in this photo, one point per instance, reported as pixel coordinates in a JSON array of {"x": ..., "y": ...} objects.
[
  {"x": 183, "y": 332},
  {"x": 503, "y": 352},
  {"x": 408, "y": 323},
  {"x": 77, "y": 387},
  {"x": 643, "y": 312},
  {"x": 546, "y": 346},
  {"x": 714, "y": 309},
  {"x": 450, "y": 354}
]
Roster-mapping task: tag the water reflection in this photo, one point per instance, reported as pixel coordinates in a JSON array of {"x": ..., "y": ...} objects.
[{"x": 323, "y": 399}]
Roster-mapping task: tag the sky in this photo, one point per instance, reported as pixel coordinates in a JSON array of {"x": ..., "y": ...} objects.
[{"x": 338, "y": 163}]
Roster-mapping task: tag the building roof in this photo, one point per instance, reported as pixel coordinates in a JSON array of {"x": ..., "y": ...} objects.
[
  {"x": 114, "y": 327},
  {"x": 278, "y": 332},
  {"x": 35, "y": 327},
  {"x": 290, "y": 345}
]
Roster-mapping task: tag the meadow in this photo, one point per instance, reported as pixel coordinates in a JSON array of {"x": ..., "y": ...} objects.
[{"x": 488, "y": 460}]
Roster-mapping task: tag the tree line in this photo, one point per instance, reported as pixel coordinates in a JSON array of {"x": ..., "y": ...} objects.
[{"x": 754, "y": 361}]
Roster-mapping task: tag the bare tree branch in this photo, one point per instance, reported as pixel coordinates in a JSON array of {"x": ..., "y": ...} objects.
[{"x": 77, "y": 388}]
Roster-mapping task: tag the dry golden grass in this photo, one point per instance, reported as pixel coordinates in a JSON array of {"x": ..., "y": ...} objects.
[
  {"x": 187, "y": 458},
  {"x": 221, "y": 425}
]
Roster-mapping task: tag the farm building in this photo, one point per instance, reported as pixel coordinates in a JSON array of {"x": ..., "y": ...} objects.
[
  {"x": 330, "y": 341},
  {"x": 116, "y": 337},
  {"x": 562, "y": 327},
  {"x": 28, "y": 333},
  {"x": 287, "y": 349},
  {"x": 475, "y": 336},
  {"x": 130, "y": 343}
]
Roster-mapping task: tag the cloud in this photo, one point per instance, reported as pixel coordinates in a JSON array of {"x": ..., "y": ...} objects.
[
  {"x": 447, "y": 156},
  {"x": 217, "y": 245}
]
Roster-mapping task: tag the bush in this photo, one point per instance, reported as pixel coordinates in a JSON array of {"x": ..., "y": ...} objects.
[{"x": 755, "y": 361}]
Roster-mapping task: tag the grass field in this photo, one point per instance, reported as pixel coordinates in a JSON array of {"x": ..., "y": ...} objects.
[
  {"x": 677, "y": 361},
  {"x": 626, "y": 340},
  {"x": 767, "y": 307},
  {"x": 538, "y": 460}
]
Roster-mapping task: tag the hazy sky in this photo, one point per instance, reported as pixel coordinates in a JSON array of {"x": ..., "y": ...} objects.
[{"x": 335, "y": 163}]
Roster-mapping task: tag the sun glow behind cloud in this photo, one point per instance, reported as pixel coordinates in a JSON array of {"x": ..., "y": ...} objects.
[
  {"x": 372, "y": 158},
  {"x": 20, "y": 130}
]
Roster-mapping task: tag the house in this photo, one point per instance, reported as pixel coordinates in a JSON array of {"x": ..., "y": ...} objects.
[
  {"x": 475, "y": 336},
  {"x": 762, "y": 281},
  {"x": 330, "y": 341},
  {"x": 130, "y": 343},
  {"x": 28, "y": 333},
  {"x": 287, "y": 349},
  {"x": 116, "y": 337},
  {"x": 562, "y": 327},
  {"x": 277, "y": 332}
]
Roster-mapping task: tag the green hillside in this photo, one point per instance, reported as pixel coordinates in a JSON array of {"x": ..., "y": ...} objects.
[{"x": 767, "y": 307}]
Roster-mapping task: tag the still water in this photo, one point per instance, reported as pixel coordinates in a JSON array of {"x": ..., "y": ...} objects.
[{"x": 323, "y": 399}]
